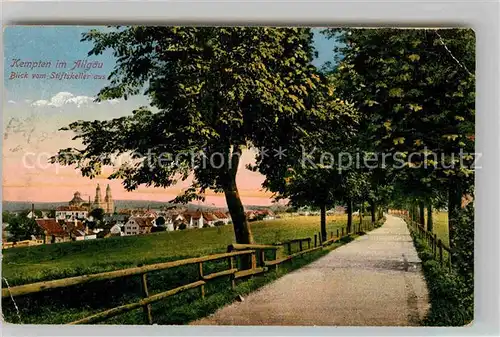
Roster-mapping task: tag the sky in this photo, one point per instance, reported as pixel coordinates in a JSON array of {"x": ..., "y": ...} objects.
[{"x": 36, "y": 107}]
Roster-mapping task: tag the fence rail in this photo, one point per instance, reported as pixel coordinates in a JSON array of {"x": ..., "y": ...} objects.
[
  {"x": 441, "y": 251},
  {"x": 258, "y": 266}
]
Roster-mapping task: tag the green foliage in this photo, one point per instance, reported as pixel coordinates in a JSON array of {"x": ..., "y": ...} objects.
[
  {"x": 97, "y": 213},
  {"x": 7, "y": 216},
  {"x": 22, "y": 228},
  {"x": 213, "y": 91},
  {"x": 451, "y": 295},
  {"x": 464, "y": 241},
  {"x": 160, "y": 221},
  {"x": 416, "y": 91}
]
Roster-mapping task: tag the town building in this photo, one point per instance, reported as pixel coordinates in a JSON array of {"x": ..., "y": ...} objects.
[
  {"x": 77, "y": 200},
  {"x": 138, "y": 225},
  {"x": 221, "y": 216},
  {"x": 71, "y": 213},
  {"x": 53, "y": 231}
]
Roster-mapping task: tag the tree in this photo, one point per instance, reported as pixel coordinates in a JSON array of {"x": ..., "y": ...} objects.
[
  {"x": 22, "y": 228},
  {"x": 415, "y": 89},
  {"x": 215, "y": 91},
  {"x": 310, "y": 175},
  {"x": 97, "y": 214},
  {"x": 160, "y": 221},
  {"x": 6, "y": 216}
]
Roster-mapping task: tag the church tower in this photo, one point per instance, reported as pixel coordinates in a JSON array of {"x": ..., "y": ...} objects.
[
  {"x": 108, "y": 200},
  {"x": 98, "y": 198}
]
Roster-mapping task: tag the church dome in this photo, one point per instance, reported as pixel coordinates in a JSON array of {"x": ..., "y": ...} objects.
[{"x": 77, "y": 199}]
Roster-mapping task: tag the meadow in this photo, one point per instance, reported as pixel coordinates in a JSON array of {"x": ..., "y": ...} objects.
[
  {"x": 29, "y": 264},
  {"x": 440, "y": 226}
]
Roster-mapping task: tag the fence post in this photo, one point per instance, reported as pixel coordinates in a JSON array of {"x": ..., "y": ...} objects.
[
  {"x": 200, "y": 274},
  {"x": 145, "y": 293},
  {"x": 300, "y": 245},
  {"x": 440, "y": 246},
  {"x": 231, "y": 266},
  {"x": 289, "y": 244},
  {"x": 254, "y": 260},
  {"x": 262, "y": 257},
  {"x": 434, "y": 245},
  {"x": 338, "y": 237},
  {"x": 309, "y": 243},
  {"x": 342, "y": 231},
  {"x": 315, "y": 240},
  {"x": 331, "y": 235}
]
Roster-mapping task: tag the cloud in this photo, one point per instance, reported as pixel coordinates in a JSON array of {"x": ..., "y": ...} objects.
[
  {"x": 11, "y": 102},
  {"x": 66, "y": 98}
]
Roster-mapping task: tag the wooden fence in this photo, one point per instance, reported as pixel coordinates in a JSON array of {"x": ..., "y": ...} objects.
[
  {"x": 441, "y": 252},
  {"x": 259, "y": 264}
]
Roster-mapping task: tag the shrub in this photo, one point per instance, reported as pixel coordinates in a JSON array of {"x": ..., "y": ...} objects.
[
  {"x": 452, "y": 302},
  {"x": 182, "y": 226},
  {"x": 219, "y": 223}
]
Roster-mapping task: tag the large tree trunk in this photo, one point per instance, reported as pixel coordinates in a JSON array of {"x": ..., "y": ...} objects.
[
  {"x": 373, "y": 210},
  {"x": 349, "y": 215},
  {"x": 429, "y": 218},
  {"x": 242, "y": 231},
  {"x": 323, "y": 223},
  {"x": 421, "y": 213},
  {"x": 454, "y": 207}
]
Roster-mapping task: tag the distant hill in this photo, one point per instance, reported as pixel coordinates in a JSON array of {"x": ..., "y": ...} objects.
[{"x": 13, "y": 206}]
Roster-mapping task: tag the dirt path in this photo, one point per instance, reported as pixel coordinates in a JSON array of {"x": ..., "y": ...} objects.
[{"x": 375, "y": 280}]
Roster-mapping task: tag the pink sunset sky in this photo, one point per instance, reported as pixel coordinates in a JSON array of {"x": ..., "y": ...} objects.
[{"x": 31, "y": 136}]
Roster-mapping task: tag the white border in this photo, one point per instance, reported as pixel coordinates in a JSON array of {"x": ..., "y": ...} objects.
[{"x": 482, "y": 16}]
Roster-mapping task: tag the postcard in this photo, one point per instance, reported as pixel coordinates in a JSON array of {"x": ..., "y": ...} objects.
[{"x": 247, "y": 176}]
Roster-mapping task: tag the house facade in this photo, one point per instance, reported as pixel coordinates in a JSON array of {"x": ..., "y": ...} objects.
[
  {"x": 71, "y": 213},
  {"x": 138, "y": 225}
]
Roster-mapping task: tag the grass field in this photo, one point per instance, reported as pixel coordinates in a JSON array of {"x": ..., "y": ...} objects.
[
  {"x": 30, "y": 264},
  {"x": 440, "y": 223},
  {"x": 68, "y": 304}
]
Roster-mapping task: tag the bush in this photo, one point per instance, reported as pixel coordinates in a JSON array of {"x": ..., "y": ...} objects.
[
  {"x": 452, "y": 302},
  {"x": 219, "y": 223},
  {"x": 182, "y": 226},
  {"x": 205, "y": 225}
]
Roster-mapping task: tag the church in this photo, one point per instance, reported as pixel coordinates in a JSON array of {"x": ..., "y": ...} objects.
[{"x": 107, "y": 204}]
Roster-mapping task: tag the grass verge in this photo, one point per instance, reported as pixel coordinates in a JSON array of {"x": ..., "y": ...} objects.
[{"x": 451, "y": 303}]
